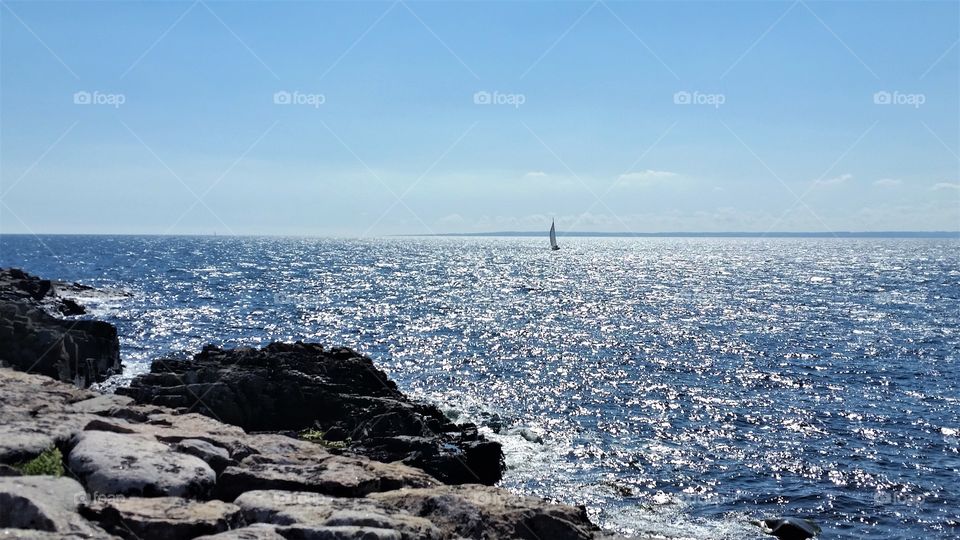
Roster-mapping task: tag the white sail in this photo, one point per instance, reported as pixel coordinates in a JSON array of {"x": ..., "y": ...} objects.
[{"x": 553, "y": 237}]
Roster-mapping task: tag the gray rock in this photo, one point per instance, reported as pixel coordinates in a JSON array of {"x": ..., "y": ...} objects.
[
  {"x": 44, "y": 504},
  {"x": 257, "y": 531},
  {"x": 217, "y": 457},
  {"x": 102, "y": 404},
  {"x": 135, "y": 465},
  {"x": 342, "y": 532},
  {"x": 35, "y": 415},
  {"x": 339, "y": 476},
  {"x": 484, "y": 512},
  {"x": 26, "y": 534},
  {"x": 160, "y": 518},
  {"x": 26, "y": 438},
  {"x": 316, "y": 512}
]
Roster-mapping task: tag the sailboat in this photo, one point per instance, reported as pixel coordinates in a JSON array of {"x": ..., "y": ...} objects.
[{"x": 553, "y": 237}]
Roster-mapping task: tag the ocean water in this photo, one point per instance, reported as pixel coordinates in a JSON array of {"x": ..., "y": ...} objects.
[{"x": 678, "y": 387}]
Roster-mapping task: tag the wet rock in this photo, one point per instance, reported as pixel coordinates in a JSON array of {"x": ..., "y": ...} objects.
[
  {"x": 528, "y": 434},
  {"x": 34, "y": 339},
  {"x": 69, "y": 307},
  {"x": 162, "y": 517},
  {"x": 486, "y": 512},
  {"x": 118, "y": 464},
  {"x": 43, "y": 504},
  {"x": 318, "y": 513},
  {"x": 790, "y": 528},
  {"x": 298, "y": 386},
  {"x": 456, "y": 459}
]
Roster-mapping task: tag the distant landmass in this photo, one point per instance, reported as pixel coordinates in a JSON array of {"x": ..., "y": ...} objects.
[{"x": 835, "y": 234}]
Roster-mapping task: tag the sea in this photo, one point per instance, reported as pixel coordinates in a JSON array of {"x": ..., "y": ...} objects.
[{"x": 675, "y": 387}]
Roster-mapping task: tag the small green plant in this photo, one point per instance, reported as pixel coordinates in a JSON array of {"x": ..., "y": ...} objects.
[
  {"x": 317, "y": 436},
  {"x": 50, "y": 462},
  {"x": 312, "y": 435}
]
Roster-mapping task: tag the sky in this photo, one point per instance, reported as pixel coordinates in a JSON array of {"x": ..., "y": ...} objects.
[{"x": 380, "y": 118}]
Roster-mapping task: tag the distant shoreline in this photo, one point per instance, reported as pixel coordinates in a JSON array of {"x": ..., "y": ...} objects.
[{"x": 838, "y": 234}]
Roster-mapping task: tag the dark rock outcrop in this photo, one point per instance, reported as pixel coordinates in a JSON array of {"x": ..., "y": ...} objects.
[
  {"x": 337, "y": 391},
  {"x": 790, "y": 528},
  {"x": 33, "y": 338}
]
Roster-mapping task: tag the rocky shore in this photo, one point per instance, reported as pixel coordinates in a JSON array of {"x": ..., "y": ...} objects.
[
  {"x": 340, "y": 396},
  {"x": 292, "y": 441},
  {"x": 34, "y": 338}
]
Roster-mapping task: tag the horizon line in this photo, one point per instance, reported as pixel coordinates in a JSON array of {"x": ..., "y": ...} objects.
[
  {"x": 534, "y": 234},
  {"x": 707, "y": 234}
]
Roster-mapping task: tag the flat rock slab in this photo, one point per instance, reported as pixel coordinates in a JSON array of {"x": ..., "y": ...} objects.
[
  {"x": 39, "y": 505},
  {"x": 24, "y": 439},
  {"x": 134, "y": 465},
  {"x": 24, "y": 534},
  {"x": 482, "y": 512},
  {"x": 339, "y": 476},
  {"x": 256, "y": 531},
  {"x": 316, "y": 512},
  {"x": 160, "y": 518},
  {"x": 35, "y": 414}
]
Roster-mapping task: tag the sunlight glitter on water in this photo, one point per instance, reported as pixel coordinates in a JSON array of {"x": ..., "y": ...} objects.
[{"x": 674, "y": 386}]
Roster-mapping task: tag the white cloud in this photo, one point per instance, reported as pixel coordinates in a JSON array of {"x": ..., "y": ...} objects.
[
  {"x": 888, "y": 182},
  {"x": 451, "y": 220},
  {"x": 945, "y": 185},
  {"x": 833, "y": 181},
  {"x": 646, "y": 177},
  {"x": 535, "y": 174}
]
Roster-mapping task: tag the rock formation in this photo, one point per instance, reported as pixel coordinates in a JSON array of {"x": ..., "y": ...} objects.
[
  {"x": 34, "y": 338},
  {"x": 337, "y": 392},
  {"x": 148, "y": 471}
]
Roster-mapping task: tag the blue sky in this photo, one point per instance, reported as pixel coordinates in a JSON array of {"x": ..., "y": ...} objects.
[{"x": 373, "y": 118}]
